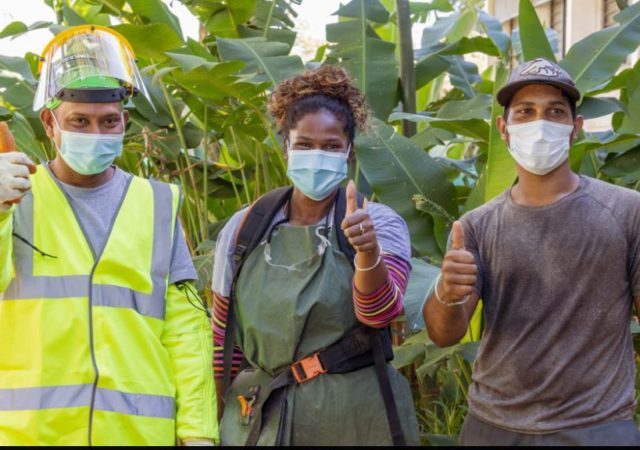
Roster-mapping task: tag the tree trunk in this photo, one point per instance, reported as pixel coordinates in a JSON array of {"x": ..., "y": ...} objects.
[{"x": 407, "y": 69}]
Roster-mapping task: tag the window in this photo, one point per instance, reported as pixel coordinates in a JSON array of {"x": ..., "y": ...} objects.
[
  {"x": 557, "y": 22},
  {"x": 609, "y": 9}
]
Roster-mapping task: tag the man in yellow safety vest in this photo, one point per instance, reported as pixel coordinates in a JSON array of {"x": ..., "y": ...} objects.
[{"x": 101, "y": 342}]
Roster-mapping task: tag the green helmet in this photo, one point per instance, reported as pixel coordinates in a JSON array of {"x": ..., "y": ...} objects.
[{"x": 90, "y": 82}]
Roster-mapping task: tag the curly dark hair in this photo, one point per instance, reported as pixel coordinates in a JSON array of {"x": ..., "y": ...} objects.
[{"x": 327, "y": 87}]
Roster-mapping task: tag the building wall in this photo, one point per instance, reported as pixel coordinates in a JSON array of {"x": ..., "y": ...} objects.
[{"x": 572, "y": 20}]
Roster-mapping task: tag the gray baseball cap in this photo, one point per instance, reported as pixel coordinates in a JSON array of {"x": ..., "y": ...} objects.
[{"x": 539, "y": 70}]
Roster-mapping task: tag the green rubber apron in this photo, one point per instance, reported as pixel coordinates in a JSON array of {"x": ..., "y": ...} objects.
[{"x": 294, "y": 297}]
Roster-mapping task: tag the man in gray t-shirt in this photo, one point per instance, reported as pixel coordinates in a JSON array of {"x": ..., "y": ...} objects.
[{"x": 556, "y": 261}]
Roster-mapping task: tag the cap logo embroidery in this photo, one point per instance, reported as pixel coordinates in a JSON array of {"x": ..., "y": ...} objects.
[{"x": 541, "y": 68}]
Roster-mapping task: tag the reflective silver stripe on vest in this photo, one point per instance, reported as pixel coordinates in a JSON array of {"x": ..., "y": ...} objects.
[
  {"x": 119, "y": 297},
  {"x": 76, "y": 396},
  {"x": 162, "y": 240},
  {"x": 45, "y": 397},
  {"x": 48, "y": 287},
  {"x": 25, "y": 286},
  {"x": 135, "y": 404}
]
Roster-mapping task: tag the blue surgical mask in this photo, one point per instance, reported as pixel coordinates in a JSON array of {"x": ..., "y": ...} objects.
[
  {"x": 89, "y": 153},
  {"x": 317, "y": 173}
]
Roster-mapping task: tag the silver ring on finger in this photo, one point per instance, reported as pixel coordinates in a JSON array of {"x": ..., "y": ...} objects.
[{"x": 363, "y": 230}]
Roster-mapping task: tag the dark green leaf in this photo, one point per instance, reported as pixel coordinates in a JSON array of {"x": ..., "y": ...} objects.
[
  {"x": 396, "y": 170},
  {"x": 71, "y": 16},
  {"x": 371, "y": 9},
  {"x": 500, "y": 169},
  {"x": 463, "y": 75},
  {"x": 420, "y": 282},
  {"x": 592, "y": 107},
  {"x": 156, "y": 11},
  {"x": 432, "y": 35},
  {"x": 470, "y": 45},
  {"x": 370, "y": 60},
  {"x": 462, "y": 26},
  {"x": 479, "y": 107},
  {"x": 429, "y": 68},
  {"x": 187, "y": 61},
  {"x": 285, "y": 36},
  {"x": 5, "y": 114},
  {"x": 265, "y": 61},
  {"x": 625, "y": 165},
  {"x": 533, "y": 37},
  {"x": 25, "y": 138},
  {"x": 151, "y": 41},
  {"x": 15, "y": 29},
  {"x": 596, "y": 58},
  {"x": 493, "y": 29}
]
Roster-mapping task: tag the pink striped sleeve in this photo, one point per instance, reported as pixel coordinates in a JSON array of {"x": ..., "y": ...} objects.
[
  {"x": 379, "y": 308},
  {"x": 219, "y": 321}
]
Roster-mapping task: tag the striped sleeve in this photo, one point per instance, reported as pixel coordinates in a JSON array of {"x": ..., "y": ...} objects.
[
  {"x": 379, "y": 308},
  {"x": 220, "y": 307}
]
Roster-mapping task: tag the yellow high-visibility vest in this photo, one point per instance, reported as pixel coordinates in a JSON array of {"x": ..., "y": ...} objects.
[{"x": 81, "y": 357}]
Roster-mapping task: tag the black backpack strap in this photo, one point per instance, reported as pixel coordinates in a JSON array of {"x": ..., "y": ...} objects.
[
  {"x": 381, "y": 340},
  {"x": 340, "y": 212},
  {"x": 395, "y": 426},
  {"x": 253, "y": 227}
]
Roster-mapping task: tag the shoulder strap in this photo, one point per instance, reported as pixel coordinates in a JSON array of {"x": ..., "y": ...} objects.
[
  {"x": 252, "y": 228},
  {"x": 390, "y": 406},
  {"x": 256, "y": 222},
  {"x": 339, "y": 213}
]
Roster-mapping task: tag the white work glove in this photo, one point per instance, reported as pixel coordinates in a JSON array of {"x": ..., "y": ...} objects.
[{"x": 15, "y": 168}]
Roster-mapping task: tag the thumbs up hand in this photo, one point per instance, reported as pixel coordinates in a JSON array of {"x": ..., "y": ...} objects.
[
  {"x": 459, "y": 270},
  {"x": 357, "y": 224}
]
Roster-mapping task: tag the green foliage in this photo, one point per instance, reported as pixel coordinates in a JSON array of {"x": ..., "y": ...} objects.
[
  {"x": 596, "y": 58},
  {"x": 536, "y": 44},
  {"x": 208, "y": 129},
  {"x": 370, "y": 59}
]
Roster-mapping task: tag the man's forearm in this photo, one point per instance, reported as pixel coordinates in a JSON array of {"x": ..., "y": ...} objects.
[{"x": 446, "y": 324}]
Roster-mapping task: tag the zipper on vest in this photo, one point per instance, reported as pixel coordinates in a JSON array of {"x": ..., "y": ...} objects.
[{"x": 94, "y": 388}]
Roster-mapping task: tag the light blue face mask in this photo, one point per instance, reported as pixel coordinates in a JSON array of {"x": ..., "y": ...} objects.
[
  {"x": 317, "y": 173},
  {"x": 89, "y": 153}
]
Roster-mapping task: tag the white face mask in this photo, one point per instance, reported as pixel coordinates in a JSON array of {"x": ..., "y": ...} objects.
[{"x": 539, "y": 146}]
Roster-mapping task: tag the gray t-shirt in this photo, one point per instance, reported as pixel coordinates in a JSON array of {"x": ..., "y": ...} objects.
[
  {"x": 96, "y": 209},
  {"x": 557, "y": 283},
  {"x": 391, "y": 231}
]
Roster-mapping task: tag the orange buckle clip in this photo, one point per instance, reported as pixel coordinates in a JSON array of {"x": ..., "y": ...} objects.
[
  {"x": 307, "y": 368},
  {"x": 246, "y": 409}
]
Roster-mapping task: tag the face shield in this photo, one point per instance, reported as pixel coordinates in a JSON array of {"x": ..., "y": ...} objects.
[{"x": 88, "y": 64}]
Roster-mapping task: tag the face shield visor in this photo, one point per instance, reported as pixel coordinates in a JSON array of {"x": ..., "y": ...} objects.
[{"x": 87, "y": 64}]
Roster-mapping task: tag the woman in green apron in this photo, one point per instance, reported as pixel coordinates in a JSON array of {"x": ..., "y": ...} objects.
[{"x": 298, "y": 293}]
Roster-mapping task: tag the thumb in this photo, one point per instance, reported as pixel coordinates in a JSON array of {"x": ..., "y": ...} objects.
[
  {"x": 352, "y": 197},
  {"x": 457, "y": 236}
]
